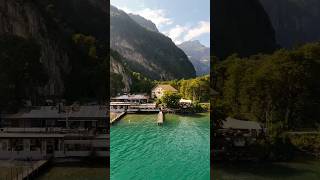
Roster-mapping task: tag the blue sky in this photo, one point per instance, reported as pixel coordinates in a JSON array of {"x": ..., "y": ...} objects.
[{"x": 181, "y": 20}]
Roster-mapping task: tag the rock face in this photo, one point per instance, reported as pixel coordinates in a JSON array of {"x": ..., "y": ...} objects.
[
  {"x": 199, "y": 56},
  {"x": 295, "y": 21},
  {"x": 25, "y": 19},
  {"x": 117, "y": 67},
  {"x": 144, "y": 22},
  {"x": 51, "y": 24},
  {"x": 149, "y": 53},
  {"x": 241, "y": 27}
]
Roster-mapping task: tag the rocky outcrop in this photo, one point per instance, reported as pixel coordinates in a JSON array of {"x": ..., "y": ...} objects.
[
  {"x": 144, "y": 22},
  {"x": 241, "y": 27},
  {"x": 25, "y": 19},
  {"x": 295, "y": 21},
  {"x": 52, "y": 24},
  {"x": 199, "y": 55},
  {"x": 117, "y": 67}
]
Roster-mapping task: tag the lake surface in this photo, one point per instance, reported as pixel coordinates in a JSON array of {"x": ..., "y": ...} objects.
[
  {"x": 179, "y": 149},
  {"x": 296, "y": 170}
]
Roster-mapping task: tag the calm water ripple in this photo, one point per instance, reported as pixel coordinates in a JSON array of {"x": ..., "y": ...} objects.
[{"x": 180, "y": 149}]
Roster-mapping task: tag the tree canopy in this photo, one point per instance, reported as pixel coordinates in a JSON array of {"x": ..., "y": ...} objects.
[
  {"x": 21, "y": 72},
  {"x": 171, "y": 99},
  {"x": 280, "y": 90}
]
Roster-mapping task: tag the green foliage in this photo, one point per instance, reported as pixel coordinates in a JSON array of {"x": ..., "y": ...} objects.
[
  {"x": 196, "y": 89},
  {"x": 86, "y": 43},
  {"x": 281, "y": 148},
  {"x": 140, "y": 83},
  {"x": 280, "y": 90},
  {"x": 89, "y": 77},
  {"x": 306, "y": 142},
  {"x": 21, "y": 72},
  {"x": 197, "y": 107},
  {"x": 171, "y": 99},
  {"x": 218, "y": 115},
  {"x": 116, "y": 84}
]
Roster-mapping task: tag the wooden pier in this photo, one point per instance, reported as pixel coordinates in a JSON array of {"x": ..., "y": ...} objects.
[
  {"x": 27, "y": 172},
  {"x": 160, "y": 118},
  {"x": 118, "y": 117}
]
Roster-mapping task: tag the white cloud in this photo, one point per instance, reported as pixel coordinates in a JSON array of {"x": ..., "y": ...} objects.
[
  {"x": 203, "y": 27},
  {"x": 176, "y": 33},
  {"x": 157, "y": 16},
  {"x": 179, "y": 33}
]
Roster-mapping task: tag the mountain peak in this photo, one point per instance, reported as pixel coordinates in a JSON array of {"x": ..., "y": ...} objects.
[
  {"x": 193, "y": 44},
  {"x": 198, "y": 54},
  {"x": 150, "y": 53}
]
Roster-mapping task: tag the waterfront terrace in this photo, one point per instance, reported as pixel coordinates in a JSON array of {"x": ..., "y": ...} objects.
[
  {"x": 132, "y": 103},
  {"x": 55, "y": 131}
]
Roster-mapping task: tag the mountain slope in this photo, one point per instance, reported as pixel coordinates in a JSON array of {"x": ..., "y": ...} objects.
[
  {"x": 120, "y": 79},
  {"x": 144, "y": 22},
  {"x": 241, "y": 27},
  {"x": 149, "y": 53},
  {"x": 199, "y": 56},
  {"x": 52, "y": 24},
  {"x": 295, "y": 21}
]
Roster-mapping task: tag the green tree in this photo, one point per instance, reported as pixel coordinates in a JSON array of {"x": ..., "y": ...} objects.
[
  {"x": 280, "y": 90},
  {"x": 171, "y": 99},
  {"x": 21, "y": 73}
]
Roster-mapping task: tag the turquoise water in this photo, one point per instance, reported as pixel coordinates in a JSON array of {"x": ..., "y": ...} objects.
[{"x": 180, "y": 149}]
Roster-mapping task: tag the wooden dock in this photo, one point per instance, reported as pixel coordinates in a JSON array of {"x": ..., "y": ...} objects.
[
  {"x": 118, "y": 117},
  {"x": 28, "y": 172},
  {"x": 160, "y": 118}
]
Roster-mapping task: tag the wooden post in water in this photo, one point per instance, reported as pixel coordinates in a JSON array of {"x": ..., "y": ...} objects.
[{"x": 160, "y": 118}]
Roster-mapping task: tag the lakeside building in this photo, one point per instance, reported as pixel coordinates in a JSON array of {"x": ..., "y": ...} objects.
[
  {"x": 185, "y": 103},
  {"x": 131, "y": 98},
  {"x": 132, "y": 103},
  {"x": 232, "y": 139},
  {"x": 55, "y": 131},
  {"x": 159, "y": 90}
]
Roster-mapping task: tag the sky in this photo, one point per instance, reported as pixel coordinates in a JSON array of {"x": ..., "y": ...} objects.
[{"x": 181, "y": 20}]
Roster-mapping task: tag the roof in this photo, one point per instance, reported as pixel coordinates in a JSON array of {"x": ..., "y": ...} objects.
[
  {"x": 89, "y": 111},
  {"x": 52, "y": 112},
  {"x": 240, "y": 124},
  {"x": 30, "y": 135},
  {"x": 39, "y": 112},
  {"x": 131, "y": 97},
  {"x": 165, "y": 87}
]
